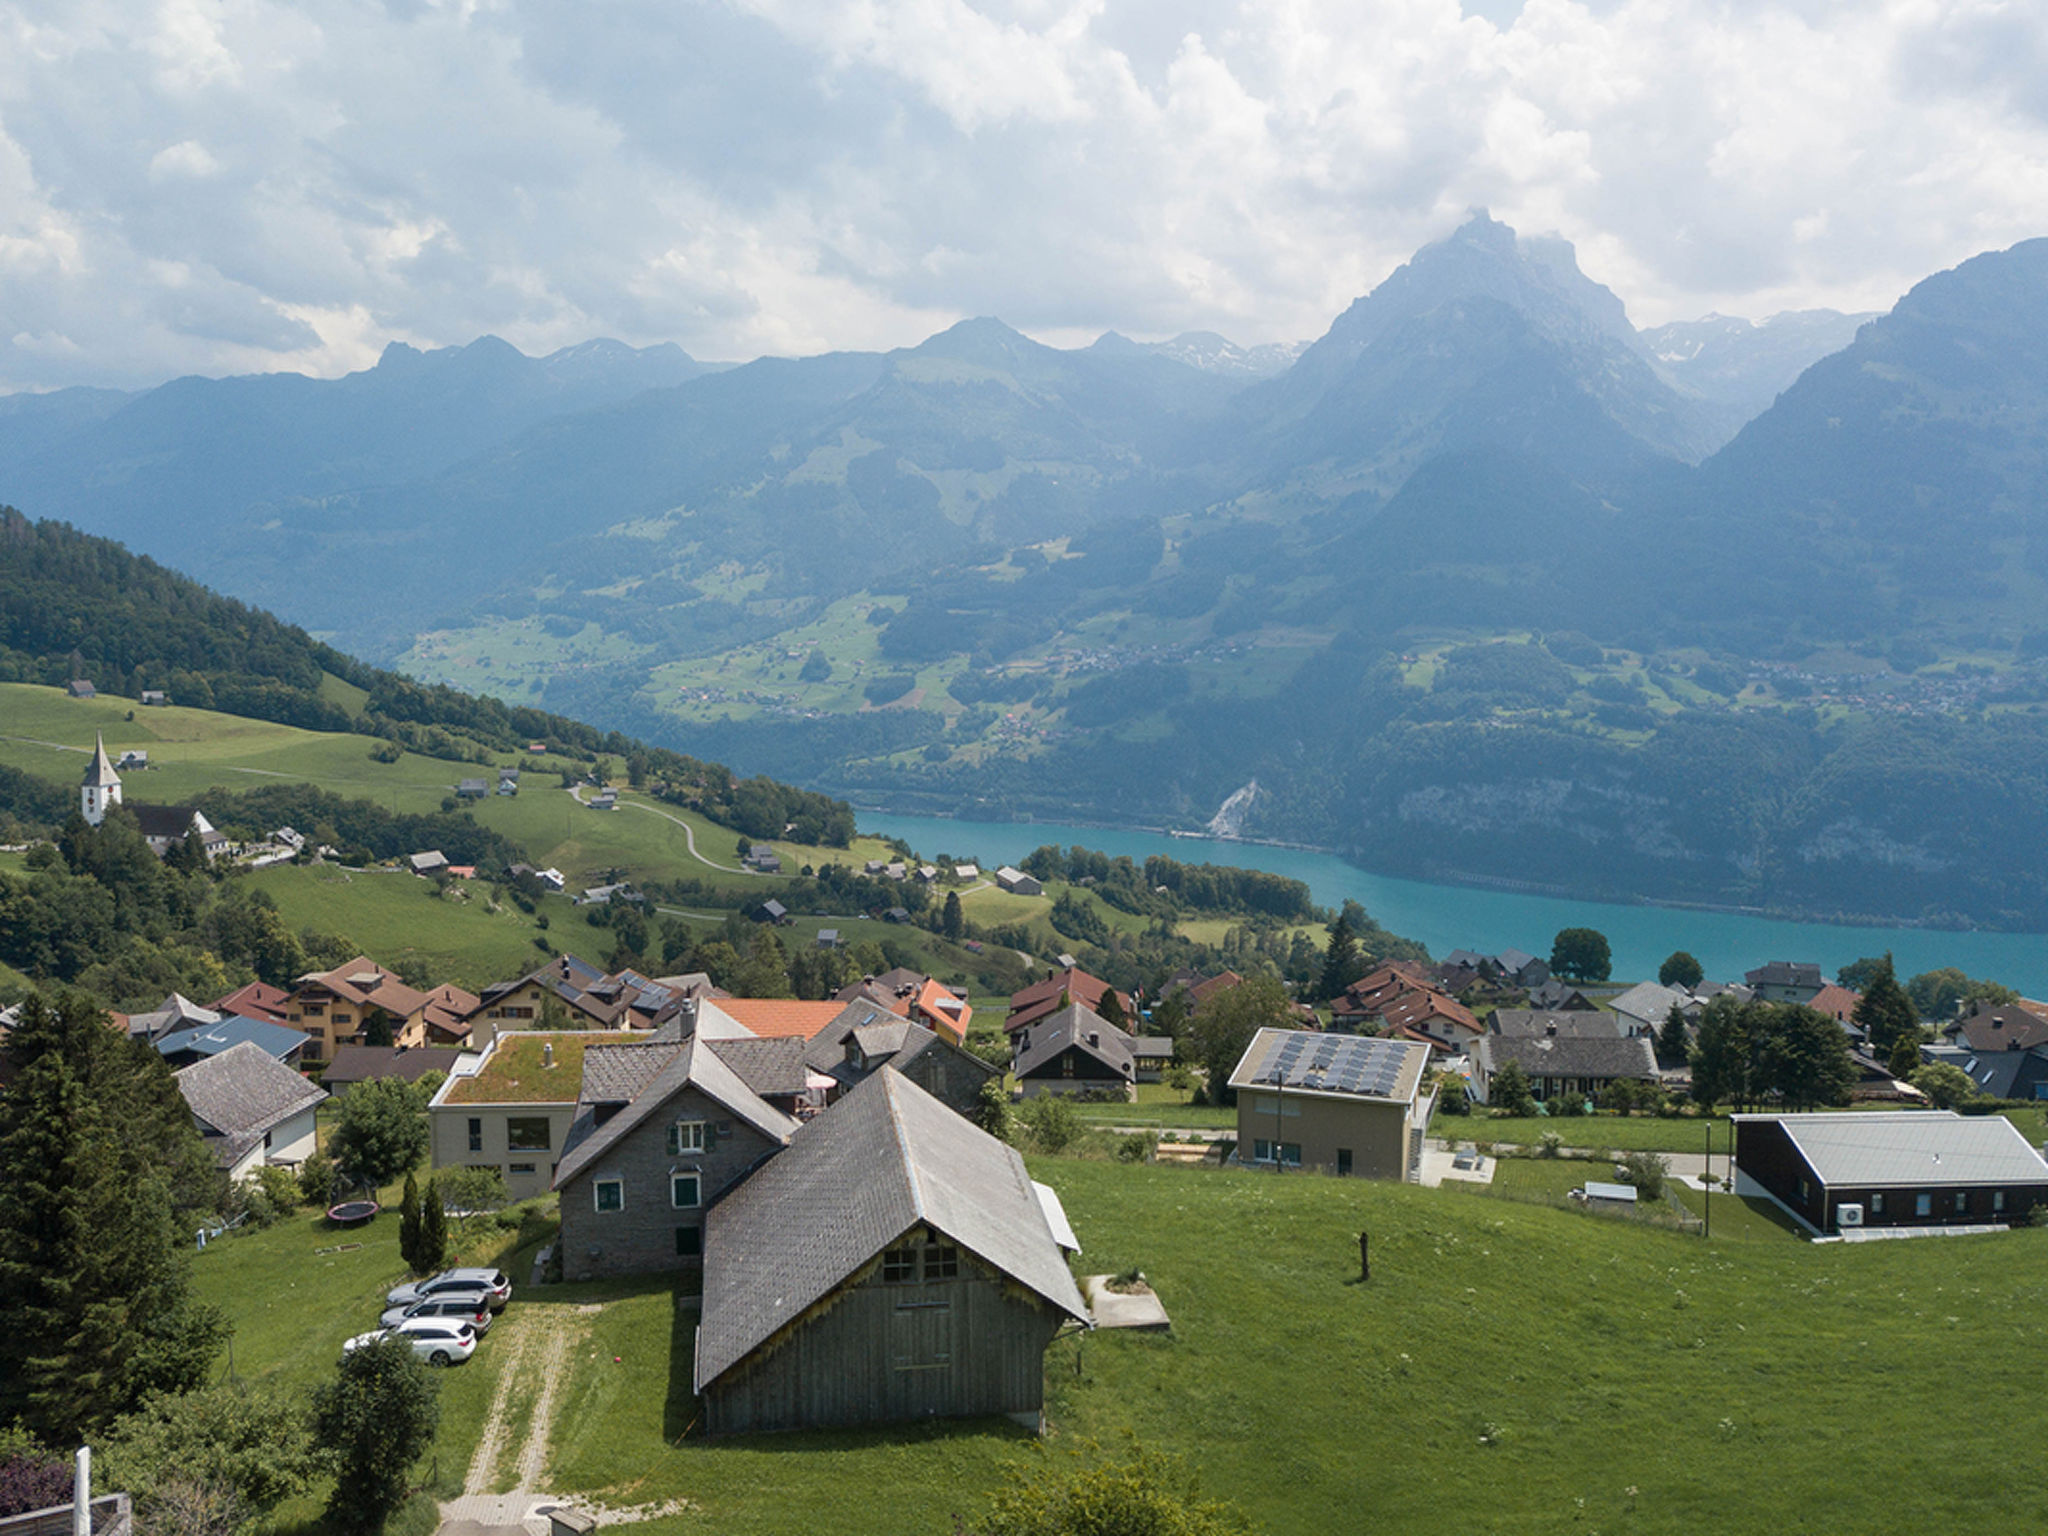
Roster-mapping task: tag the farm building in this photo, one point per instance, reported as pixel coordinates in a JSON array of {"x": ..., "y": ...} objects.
[
  {"x": 1351, "y": 1104},
  {"x": 894, "y": 1263},
  {"x": 1017, "y": 883},
  {"x": 1891, "y": 1168}
]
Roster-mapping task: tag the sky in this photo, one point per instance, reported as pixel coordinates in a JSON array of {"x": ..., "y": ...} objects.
[{"x": 228, "y": 186}]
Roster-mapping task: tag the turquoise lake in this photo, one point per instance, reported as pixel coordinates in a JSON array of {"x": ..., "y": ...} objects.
[{"x": 1447, "y": 917}]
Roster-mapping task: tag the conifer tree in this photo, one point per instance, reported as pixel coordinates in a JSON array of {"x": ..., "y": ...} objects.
[
  {"x": 1885, "y": 1012},
  {"x": 1672, "y": 1040},
  {"x": 1341, "y": 965},
  {"x": 1111, "y": 1009},
  {"x": 93, "y": 1282},
  {"x": 433, "y": 1238},
  {"x": 409, "y": 1226}
]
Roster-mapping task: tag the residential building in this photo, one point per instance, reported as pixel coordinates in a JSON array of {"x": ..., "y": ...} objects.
[
  {"x": 639, "y": 1173},
  {"x": 575, "y": 994},
  {"x": 1891, "y": 1168},
  {"x": 1074, "y": 1051},
  {"x": 359, "y": 1003},
  {"x": 251, "y": 1109},
  {"x": 1558, "y": 1066},
  {"x": 510, "y": 1105},
  {"x": 772, "y": 1018},
  {"x": 1837, "y": 1002},
  {"x": 182, "y": 1047},
  {"x": 354, "y": 1064},
  {"x": 1069, "y": 985},
  {"x": 1994, "y": 1027},
  {"x": 1571, "y": 1024},
  {"x": 1786, "y": 981},
  {"x": 865, "y": 1038},
  {"x": 1350, "y": 1104},
  {"x": 893, "y": 1263},
  {"x": 1646, "y": 1006}
]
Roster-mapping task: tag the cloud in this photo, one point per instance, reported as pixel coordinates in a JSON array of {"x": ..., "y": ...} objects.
[{"x": 229, "y": 185}]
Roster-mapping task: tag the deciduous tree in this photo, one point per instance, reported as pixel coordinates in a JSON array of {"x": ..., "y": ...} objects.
[
  {"x": 376, "y": 1417},
  {"x": 1680, "y": 969},
  {"x": 1581, "y": 954},
  {"x": 381, "y": 1133},
  {"x": 1225, "y": 1023}
]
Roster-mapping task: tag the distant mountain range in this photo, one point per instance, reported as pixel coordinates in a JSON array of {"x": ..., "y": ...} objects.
[{"x": 1121, "y": 581}]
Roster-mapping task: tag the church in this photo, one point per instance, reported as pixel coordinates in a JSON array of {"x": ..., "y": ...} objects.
[{"x": 162, "y": 825}]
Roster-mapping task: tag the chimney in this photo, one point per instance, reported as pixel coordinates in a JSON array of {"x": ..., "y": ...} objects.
[
  {"x": 1094, "y": 1037},
  {"x": 547, "y": 1053},
  {"x": 1550, "y": 1028},
  {"x": 81, "y": 1493}
]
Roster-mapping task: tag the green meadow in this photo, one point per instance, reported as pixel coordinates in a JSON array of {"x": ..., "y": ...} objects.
[{"x": 1509, "y": 1368}]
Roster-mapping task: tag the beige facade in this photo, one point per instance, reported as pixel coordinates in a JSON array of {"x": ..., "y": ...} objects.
[
  {"x": 522, "y": 1141},
  {"x": 1366, "y": 1138}
]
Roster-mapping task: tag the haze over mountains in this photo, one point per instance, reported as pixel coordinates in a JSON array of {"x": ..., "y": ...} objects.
[{"x": 1120, "y": 581}]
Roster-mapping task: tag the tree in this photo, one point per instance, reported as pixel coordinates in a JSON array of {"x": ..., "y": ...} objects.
[
  {"x": 1342, "y": 963},
  {"x": 1806, "y": 1057},
  {"x": 992, "y": 1111},
  {"x": 1647, "y": 1172},
  {"x": 953, "y": 922},
  {"x": 1720, "y": 1055},
  {"x": 1884, "y": 1012},
  {"x": 256, "y": 1446},
  {"x": 1941, "y": 993},
  {"x": 1581, "y": 954},
  {"x": 376, "y": 1418},
  {"x": 816, "y": 668},
  {"x": 1148, "y": 1494},
  {"x": 381, "y": 1132},
  {"x": 1111, "y": 1010},
  {"x": 409, "y": 1227},
  {"x": 1052, "y": 1122},
  {"x": 1680, "y": 969},
  {"x": 433, "y": 1249},
  {"x": 1857, "y": 974},
  {"x": 97, "y": 1149},
  {"x": 1674, "y": 1039},
  {"x": 1225, "y": 1023},
  {"x": 1945, "y": 1084},
  {"x": 1509, "y": 1092},
  {"x": 1904, "y": 1060}
]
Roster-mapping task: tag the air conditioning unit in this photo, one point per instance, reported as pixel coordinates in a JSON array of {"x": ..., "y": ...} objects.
[{"x": 1849, "y": 1215}]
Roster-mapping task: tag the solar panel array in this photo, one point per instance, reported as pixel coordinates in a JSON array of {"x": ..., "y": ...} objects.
[{"x": 1336, "y": 1064}]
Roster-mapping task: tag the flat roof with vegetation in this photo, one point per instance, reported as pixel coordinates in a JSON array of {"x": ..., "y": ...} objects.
[{"x": 513, "y": 1074}]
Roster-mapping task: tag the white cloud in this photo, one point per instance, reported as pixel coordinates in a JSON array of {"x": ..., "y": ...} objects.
[{"x": 221, "y": 185}]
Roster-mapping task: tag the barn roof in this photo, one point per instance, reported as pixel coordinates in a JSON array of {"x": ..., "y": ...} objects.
[
  {"x": 1906, "y": 1147},
  {"x": 883, "y": 1160}
]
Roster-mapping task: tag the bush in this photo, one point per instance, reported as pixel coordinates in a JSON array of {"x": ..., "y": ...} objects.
[
  {"x": 32, "y": 1480},
  {"x": 1147, "y": 1495},
  {"x": 1051, "y": 1122},
  {"x": 280, "y": 1187},
  {"x": 316, "y": 1180},
  {"x": 1137, "y": 1147},
  {"x": 376, "y": 1417},
  {"x": 1646, "y": 1171}
]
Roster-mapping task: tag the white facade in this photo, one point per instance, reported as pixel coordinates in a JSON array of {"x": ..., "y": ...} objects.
[{"x": 102, "y": 787}]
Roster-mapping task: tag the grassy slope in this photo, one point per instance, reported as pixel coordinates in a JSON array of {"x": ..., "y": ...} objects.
[{"x": 1510, "y": 1368}]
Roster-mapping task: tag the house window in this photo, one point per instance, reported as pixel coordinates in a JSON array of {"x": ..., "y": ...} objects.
[
  {"x": 1285, "y": 1152},
  {"x": 518, "y": 1013},
  {"x": 610, "y": 1194},
  {"x": 515, "y": 1169},
  {"x": 527, "y": 1133},
  {"x": 685, "y": 1136},
  {"x": 941, "y": 1262},
  {"x": 313, "y": 1010},
  {"x": 1067, "y": 1065},
  {"x": 476, "y": 1134},
  {"x": 899, "y": 1266},
  {"x": 682, "y": 1191},
  {"x": 1877, "y": 1205},
  {"x": 689, "y": 1242},
  {"x": 1923, "y": 1205},
  {"x": 344, "y": 1018},
  {"x": 1962, "y": 1201},
  {"x": 1998, "y": 1200}
]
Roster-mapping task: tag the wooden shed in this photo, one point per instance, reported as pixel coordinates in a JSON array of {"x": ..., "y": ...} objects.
[{"x": 894, "y": 1263}]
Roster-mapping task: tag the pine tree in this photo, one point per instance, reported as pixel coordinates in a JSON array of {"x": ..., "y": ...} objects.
[
  {"x": 409, "y": 1226},
  {"x": 1111, "y": 1010},
  {"x": 1905, "y": 1057},
  {"x": 93, "y": 1282},
  {"x": 1884, "y": 1012},
  {"x": 1341, "y": 963},
  {"x": 1672, "y": 1040},
  {"x": 433, "y": 1238},
  {"x": 953, "y": 922}
]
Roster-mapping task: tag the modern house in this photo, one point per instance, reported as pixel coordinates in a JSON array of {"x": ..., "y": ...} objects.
[
  {"x": 1891, "y": 1168},
  {"x": 662, "y": 1132},
  {"x": 510, "y": 1107},
  {"x": 1786, "y": 981},
  {"x": 251, "y": 1109},
  {"x": 894, "y": 1263},
  {"x": 1074, "y": 1051},
  {"x": 1558, "y": 1066},
  {"x": 1350, "y": 1104}
]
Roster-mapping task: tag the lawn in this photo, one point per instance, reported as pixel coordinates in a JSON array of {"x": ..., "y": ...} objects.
[
  {"x": 1633, "y": 1133},
  {"x": 1159, "y": 1105},
  {"x": 1513, "y": 1368}
]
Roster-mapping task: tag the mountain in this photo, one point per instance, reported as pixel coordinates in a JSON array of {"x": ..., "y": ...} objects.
[
  {"x": 1217, "y": 354},
  {"x": 1738, "y": 367}
]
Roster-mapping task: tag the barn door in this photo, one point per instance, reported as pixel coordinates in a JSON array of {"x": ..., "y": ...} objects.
[{"x": 921, "y": 1337}]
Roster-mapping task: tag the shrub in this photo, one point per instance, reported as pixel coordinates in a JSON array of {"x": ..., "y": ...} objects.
[
  {"x": 32, "y": 1480},
  {"x": 377, "y": 1417},
  {"x": 1052, "y": 1123},
  {"x": 1137, "y": 1147},
  {"x": 280, "y": 1187},
  {"x": 1550, "y": 1145},
  {"x": 1646, "y": 1171},
  {"x": 316, "y": 1180}
]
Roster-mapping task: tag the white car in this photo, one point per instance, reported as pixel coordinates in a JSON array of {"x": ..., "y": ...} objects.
[
  {"x": 492, "y": 1280},
  {"x": 436, "y": 1340}
]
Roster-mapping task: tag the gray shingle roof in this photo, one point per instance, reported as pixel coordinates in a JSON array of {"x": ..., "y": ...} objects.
[
  {"x": 1907, "y": 1147},
  {"x": 769, "y": 1067},
  {"x": 695, "y": 1065},
  {"x": 242, "y": 1093},
  {"x": 1570, "y": 1024},
  {"x": 882, "y": 1160},
  {"x": 617, "y": 1072},
  {"x": 1072, "y": 1026},
  {"x": 1543, "y": 1056}
]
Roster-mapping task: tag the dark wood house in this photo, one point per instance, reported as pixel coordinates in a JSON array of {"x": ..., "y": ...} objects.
[
  {"x": 867, "y": 1037},
  {"x": 1891, "y": 1168},
  {"x": 894, "y": 1263},
  {"x": 1074, "y": 1051}
]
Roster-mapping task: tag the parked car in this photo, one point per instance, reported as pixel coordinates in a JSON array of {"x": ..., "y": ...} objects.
[
  {"x": 492, "y": 1280},
  {"x": 472, "y": 1306},
  {"x": 436, "y": 1340}
]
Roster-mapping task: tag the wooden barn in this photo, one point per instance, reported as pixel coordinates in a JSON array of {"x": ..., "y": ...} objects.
[{"x": 895, "y": 1262}]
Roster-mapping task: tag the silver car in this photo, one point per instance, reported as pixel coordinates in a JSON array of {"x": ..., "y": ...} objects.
[
  {"x": 492, "y": 1280},
  {"x": 468, "y": 1306}
]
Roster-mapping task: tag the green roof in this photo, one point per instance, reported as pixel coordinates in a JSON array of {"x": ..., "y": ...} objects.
[{"x": 514, "y": 1074}]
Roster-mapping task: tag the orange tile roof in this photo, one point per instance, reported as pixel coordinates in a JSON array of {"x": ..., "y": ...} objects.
[
  {"x": 778, "y": 1018},
  {"x": 1837, "y": 1002},
  {"x": 944, "y": 1009}
]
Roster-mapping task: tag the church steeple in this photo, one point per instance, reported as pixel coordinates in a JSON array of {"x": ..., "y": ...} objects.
[{"x": 102, "y": 786}]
